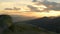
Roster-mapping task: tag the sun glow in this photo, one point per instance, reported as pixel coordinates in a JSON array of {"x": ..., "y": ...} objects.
[
  {"x": 30, "y": 13},
  {"x": 33, "y": 14}
]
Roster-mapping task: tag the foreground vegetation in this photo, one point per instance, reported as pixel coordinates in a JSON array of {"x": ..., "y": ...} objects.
[{"x": 8, "y": 27}]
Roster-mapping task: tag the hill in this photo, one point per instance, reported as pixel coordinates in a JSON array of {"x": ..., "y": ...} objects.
[{"x": 48, "y": 23}]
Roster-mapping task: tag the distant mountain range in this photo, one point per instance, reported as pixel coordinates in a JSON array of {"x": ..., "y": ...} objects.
[{"x": 48, "y": 23}]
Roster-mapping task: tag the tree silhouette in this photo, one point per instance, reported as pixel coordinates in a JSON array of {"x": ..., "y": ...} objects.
[{"x": 5, "y": 22}]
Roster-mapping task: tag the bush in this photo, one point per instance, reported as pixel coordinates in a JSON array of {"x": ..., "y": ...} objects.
[{"x": 5, "y": 22}]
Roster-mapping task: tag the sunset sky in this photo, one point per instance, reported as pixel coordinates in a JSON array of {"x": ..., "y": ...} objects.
[
  {"x": 11, "y": 3},
  {"x": 23, "y": 0}
]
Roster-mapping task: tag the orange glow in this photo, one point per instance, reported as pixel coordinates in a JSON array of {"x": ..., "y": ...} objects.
[{"x": 32, "y": 14}]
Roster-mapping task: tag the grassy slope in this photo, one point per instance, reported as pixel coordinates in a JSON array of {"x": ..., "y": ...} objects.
[
  {"x": 40, "y": 26},
  {"x": 23, "y": 28}
]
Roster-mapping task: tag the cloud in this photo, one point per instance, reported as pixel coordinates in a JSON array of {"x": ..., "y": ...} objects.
[
  {"x": 6, "y": 4},
  {"x": 12, "y": 4},
  {"x": 15, "y": 0}
]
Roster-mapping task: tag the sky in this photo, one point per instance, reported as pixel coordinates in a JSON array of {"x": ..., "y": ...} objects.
[
  {"x": 24, "y": 0},
  {"x": 58, "y": 1},
  {"x": 11, "y": 3}
]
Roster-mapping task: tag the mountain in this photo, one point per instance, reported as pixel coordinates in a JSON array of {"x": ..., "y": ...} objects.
[
  {"x": 8, "y": 27},
  {"x": 47, "y": 23}
]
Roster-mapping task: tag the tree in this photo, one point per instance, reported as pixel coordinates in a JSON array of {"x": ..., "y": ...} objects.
[{"x": 5, "y": 22}]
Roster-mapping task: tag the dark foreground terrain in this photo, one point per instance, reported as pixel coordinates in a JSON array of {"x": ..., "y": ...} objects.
[{"x": 45, "y": 25}]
